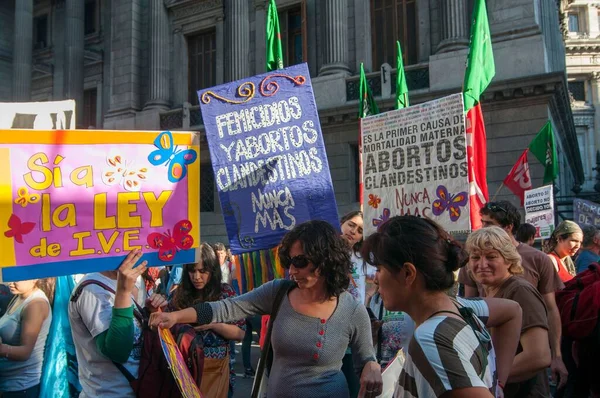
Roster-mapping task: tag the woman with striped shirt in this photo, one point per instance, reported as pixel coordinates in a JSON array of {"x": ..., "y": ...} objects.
[{"x": 450, "y": 354}]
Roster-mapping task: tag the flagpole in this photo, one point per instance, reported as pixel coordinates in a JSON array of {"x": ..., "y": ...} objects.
[{"x": 498, "y": 191}]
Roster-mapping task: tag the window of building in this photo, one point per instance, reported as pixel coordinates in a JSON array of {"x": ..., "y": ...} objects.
[
  {"x": 90, "y": 98},
  {"x": 577, "y": 90},
  {"x": 90, "y": 17},
  {"x": 40, "y": 32},
  {"x": 207, "y": 188},
  {"x": 202, "y": 53},
  {"x": 292, "y": 23},
  {"x": 393, "y": 20},
  {"x": 573, "y": 22}
]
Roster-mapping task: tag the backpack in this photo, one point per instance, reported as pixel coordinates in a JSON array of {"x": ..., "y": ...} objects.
[
  {"x": 579, "y": 303},
  {"x": 155, "y": 379}
]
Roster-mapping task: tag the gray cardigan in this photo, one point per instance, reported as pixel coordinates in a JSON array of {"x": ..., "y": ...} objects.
[{"x": 307, "y": 351}]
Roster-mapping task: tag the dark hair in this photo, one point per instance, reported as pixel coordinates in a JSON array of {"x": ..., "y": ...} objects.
[
  {"x": 325, "y": 248},
  {"x": 421, "y": 242},
  {"x": 219, "y": 247},
  {"x": 350, "y": 216},
  {"x": 48, "y": 286},
  {"x": 504, "y": 213},
  {"x": 525, "y": 232},
  {"x": 186, "y": 294},
  {"x": 589, "y": 234}
]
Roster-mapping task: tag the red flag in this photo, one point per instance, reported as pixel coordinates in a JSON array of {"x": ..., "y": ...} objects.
[
  {"x": 477, "y": 161},
  {"x": 519, "y": 180}
]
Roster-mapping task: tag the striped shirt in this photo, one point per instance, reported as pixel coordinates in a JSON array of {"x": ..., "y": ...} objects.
[{"x": 444, "y": 354}]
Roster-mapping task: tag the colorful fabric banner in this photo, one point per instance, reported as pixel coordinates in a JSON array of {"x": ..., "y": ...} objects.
[
  {"x": 586, "y": 212},
  {"x": 268, "y": 157},
  {"x": 78, "y": 201},
  {"x": 415, "y": 163},
  {"x": 518, "y": 179},
  {"x": 60, "y": 378}
]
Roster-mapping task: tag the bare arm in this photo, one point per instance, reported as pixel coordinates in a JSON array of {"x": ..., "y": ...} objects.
[
  {"x": 554, "y": 324},
  {"x": 534, "y": 357},
  {"x": 505, "y": 319},
  {"x": 470, "y": 392},
  {"x": 227, "y": 331},
  {"x": 32, "y": 318}
]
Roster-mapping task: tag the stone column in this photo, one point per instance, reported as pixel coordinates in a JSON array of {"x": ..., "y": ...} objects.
[
  {"x": 239, "y": 39},
  {"x": 220, "y": 39},
  {"x": 455, "y": 25},
  {"x": 260, "y": 39},
  {"x": 22, "y": 53},
  {"x": 335, "y": 56},
  {"x": 74, "y": 41},
  {"x": 159, "y": 56}
]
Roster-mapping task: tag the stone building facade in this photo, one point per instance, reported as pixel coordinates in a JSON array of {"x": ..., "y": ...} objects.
[
  {"x": 581, "y": 30},
  {"x": 136, "y": 64}
]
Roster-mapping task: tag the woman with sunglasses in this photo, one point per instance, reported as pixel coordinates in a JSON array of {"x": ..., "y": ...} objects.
[
  {"x": 450, "y": 353},
  {"x": 317, "y": 318}
]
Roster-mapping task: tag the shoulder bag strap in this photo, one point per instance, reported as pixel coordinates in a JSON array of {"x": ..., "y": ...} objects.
[
  {"x": 137, "y": 312},
  {"x": 283, "y": 290}
]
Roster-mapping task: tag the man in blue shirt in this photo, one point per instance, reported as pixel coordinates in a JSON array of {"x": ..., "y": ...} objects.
[{"x": 590, "y": 253}]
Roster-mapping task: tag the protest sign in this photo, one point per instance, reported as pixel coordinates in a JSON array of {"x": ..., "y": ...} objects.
[
  {"x": 586, "y": 212},
  {"x": 268, "y": 156},
  {"x": 76, "y": 201},
  {"x": 38, "y": 115},
  {"x": 178, "y": 366},
  {"x": 539, "y": 210},
  {"x": 415, "y": 163}
]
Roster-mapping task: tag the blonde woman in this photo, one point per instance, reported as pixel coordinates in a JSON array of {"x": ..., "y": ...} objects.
[{"x": 495, "y": 263}]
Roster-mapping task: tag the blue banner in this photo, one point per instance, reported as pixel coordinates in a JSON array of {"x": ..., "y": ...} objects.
[
  {"x": 268, "y": 156},
  {"x": 586, "y": 212}
]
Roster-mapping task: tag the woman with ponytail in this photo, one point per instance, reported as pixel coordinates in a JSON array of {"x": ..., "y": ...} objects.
[
  {"x": 450, "y": 353},
  {"x": 564, "y": 243},
  {"x": 23, "y": 332}
]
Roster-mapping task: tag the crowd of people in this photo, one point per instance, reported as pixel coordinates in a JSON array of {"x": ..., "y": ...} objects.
[{"x": 347, "y": 309}]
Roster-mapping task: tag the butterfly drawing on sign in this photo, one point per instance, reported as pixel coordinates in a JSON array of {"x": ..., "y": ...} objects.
[
  {"x": 167, "y": 154},
  {"x": 119, "y": 171},
  {"x": 374, "y": 200},
  {"x": 377, "y": 222},
  {"x": 24, "y": 197},
  {"x": 452, "y": 203},
  {"x": 168, "y": 245},
  {"x": 18, "y": 228}
]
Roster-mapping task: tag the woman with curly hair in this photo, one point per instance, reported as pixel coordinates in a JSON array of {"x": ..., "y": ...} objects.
[
  {"x": 315, "y": 322},
  {"x": 201, "y": 283}
]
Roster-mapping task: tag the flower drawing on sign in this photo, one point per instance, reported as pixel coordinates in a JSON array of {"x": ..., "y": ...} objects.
[
  {"x": 24, "y": 197},
  {"x": 168, "y": 154},
  {"x": 377, "y": 222},
  {"x": 452, "y": 203},
  {"x": 18, "y": 228},
  {"x": 168, "y": 245},
  {"x": 374, "y": 200},
  {"x": 119, "y": 171}
]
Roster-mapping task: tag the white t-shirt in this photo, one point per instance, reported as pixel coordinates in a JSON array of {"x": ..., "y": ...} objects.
[
  {"x": 225, "y": 273},
  {"x": 358, "y": 285},
  {"x": 90, "y": 315}
]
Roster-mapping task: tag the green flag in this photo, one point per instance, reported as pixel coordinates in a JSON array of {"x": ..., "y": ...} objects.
[
  {"x": 401, "y": 89},
  {"x": 274, "y": 51},
  {"x": 366, "y": 105},
  {"x": 544, "y": 149},
  {"x": 480, "y": 61}
]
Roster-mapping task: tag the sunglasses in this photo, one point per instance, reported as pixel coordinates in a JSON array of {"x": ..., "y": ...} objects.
[
  {"x": 495, "y": 207},
  {"x": 300, "y": 261}
]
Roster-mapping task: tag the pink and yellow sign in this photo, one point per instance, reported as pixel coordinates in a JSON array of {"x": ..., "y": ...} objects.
[{"x": 77, "y": 201}]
